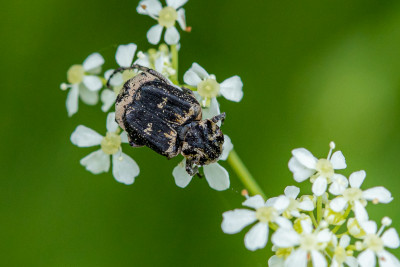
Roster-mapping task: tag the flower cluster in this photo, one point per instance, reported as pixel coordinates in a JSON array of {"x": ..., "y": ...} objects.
[
  {"x": 306, "y": 227},
  {"x": 87, "y": 82}
]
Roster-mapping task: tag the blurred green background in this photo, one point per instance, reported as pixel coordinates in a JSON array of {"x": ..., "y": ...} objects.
[{"x": 313, "y": 71}]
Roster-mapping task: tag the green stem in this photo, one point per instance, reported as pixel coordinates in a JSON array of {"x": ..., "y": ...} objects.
[
  {"x": 244, "y": 175},
  {"x": 319, "y": 209},
  {"x": 174, "y": 53},
  {"x": 313, "y": 219},
  {"x": 345, "y": 215}
]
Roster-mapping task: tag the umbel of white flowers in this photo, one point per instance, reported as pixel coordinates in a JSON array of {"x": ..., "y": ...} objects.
[{"x": 303, "y": 239}]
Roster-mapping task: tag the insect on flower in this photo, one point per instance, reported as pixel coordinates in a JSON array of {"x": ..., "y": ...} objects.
[{"x": 157, "y": 114}]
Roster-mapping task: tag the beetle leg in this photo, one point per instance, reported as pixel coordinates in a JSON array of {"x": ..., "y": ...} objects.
[
  {"x": 190, "y": 169},
  {"x": 132, "y": 144},
  {"x": 151, "y": 71},
  {"x": 220, "y": 117}
]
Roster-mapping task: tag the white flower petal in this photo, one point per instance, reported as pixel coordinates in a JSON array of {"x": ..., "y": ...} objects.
[
  {"x": 212, "y": 110},
  {"x": 281, "y": 203},
  {"x": 318, "y": 259},
  {"x": 257, "y": 237},
  {"x": 369, "y": 227},
  {"x": 300, "y": 173},
  {"x": 216, "y": 176},
  {"x": 306, "y": 205},
  {"x": 235, "y": 220},
  {"x": 93, "y": 83},
  {"x": 292, "y": 191},
  {"x": 85, "y": 137},
  {"x": 231, "y": 89},
  {"x": 125, "y": 169},
  {"x": 182, "y": 18},
  {"x": 124, "y": 137},
  {"x": 297, "y": 258},
  {"x": 357, "y": 178},
  {"x": 93, "y": 61},
  {"x": 125, "y": 54},
  {"x": 276, "y": 261},
  {"x": 324, "y": 236},
  {"x": 284, "y": 223},
  {"x": 360, "y": 212},
  {"x": 254, "y": 202},
  {"x": 191, "y": 78},
  {"x": 338, "y": 185},
  {"x": 199, "y": 70},
  {"x": 338, "y": 204},
  {"x": 112, "y": 126},
  {"x": 366, "y": 258},
  {"x": 154, "y": 34},
  {"x": 226, "y": 148},
  {"x": 319, "y": 186},
  {"x": 285, "y": 238},
  {"x": 387, "y": 259},
  {"x": 108, "y": 98},
  {"x": 305, "y": 157},
  {"x": 344, "y": 241},
  {"x": 72, "y": 100},
  {"x": 182, "y": 178},
  {"x": 378, "y": 193},
  {"x": 176, "y": 3},
  {"x": 351, "y": 261},
  {"x": 152, "y": 7},
  {"x": 96, "y": 162},
  {"x": 87, "y": 96},
  {"x": 338, "y": 161},
  {"x": 172, "y": 36},
  {"x": 390, "y": 238},
  {"x": 306, "y": 225},
  {"x": 116, "y": 79}
]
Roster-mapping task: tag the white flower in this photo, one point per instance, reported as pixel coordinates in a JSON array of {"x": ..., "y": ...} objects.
[
  {"x": 358, "y": 198},
  {"x": 124, "y": 57},
  {"x": 83, "y": 82},
  {"x": 308, "y": 244},
  {"x": 295, "y": 206},
  {"x": 374, "y": 244},
  {"x": 276, "y": 261},
  {"x": 125, "y": 168},
  {"x": 166, "y": 17},
  {"x": 265, "y": 212},
  {"x": 340, "y": 254},
  {"x": 208, "y": 88},
  {"x": 216, "y": 175},
  {"x": 304, "y": 165}
]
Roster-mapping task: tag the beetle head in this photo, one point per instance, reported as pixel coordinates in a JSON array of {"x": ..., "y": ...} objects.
[{"x": 202, "y": 143}]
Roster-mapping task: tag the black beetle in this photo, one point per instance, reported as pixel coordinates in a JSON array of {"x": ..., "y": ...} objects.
[{"x": 160, "y": 115}]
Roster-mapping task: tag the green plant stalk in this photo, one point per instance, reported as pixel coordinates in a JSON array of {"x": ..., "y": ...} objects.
[
  {"x": 345, "y": 215},
  {"x": 244, "y": 175},
  {"x": 313, "y": 219},
  {"x": 319, "y": 209},
  {"x": 175, "y": 58}
]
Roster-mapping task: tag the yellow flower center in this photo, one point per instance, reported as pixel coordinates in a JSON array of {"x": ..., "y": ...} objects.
[
  {"x": 325, "y": 168},
  {"x": 111, "y": 143},
  {"x": 208, "y": 88},
  {"x": 374, "y": 242},
  {"x": 340, "y": 254},
  {"x": 309, "y": 242},
  {"x": 352, "y": 194},
  {"x": 266, "y": 214},
  {"x": 167, "y": 17},
  {"x": 75, "y": 74}
]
